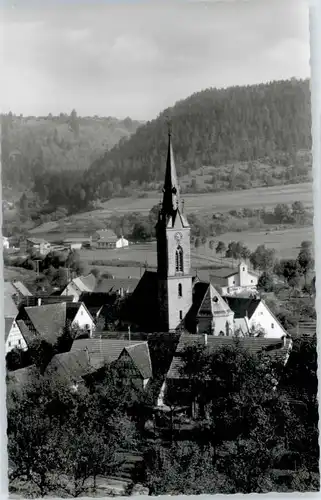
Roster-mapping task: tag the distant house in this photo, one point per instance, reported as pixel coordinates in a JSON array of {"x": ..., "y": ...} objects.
[
  {"x": 108, "y": 351},
  {"x": 21, "y": 289},
  {"x": 105, "y": 238},
  {"x": 13, "y": 336},
  {"x": 75, "y": 243},
  {"x": 72, "y": 366},
  {"x": 5, "y": 242},
  {"x": 235, "y": 282},
  {"x": 252, "y": 314},
  {"x": 79, "y": 285},
  {"x": 122, "y": 243},
  {"x": 38, "y": 245},
  {"x": 174, "y": 386}
]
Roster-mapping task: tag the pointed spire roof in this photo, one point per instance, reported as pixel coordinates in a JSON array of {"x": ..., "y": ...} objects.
[{"x": 171, "y": 187}]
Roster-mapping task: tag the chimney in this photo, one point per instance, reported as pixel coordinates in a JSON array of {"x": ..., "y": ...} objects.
[
  {"x": 205, "y": 338},
  {"x": 39, "y": 301}
]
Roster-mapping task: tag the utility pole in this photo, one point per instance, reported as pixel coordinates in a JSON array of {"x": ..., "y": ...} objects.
[{"x": 129, "y": 333}]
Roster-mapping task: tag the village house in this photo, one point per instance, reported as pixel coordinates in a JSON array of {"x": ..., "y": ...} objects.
[
  {"x": 5, "y": 242},
  {"x": 49, "y": 322},
  {"x": 174, "y": 389},
  {"x": 234, "y": 282},
  {"x": 38, "y": 245},
  {"x": 13, "y": 336},
  {"x": 122, "y": 242},
  {"x": 79, "y": 285},
  {"x": 121, "y": 286},
  {"x": 104, "y": 238},
  {"x": 110, "y": 351}
]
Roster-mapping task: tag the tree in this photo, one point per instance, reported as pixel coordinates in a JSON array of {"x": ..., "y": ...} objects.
[
  {"x": 262, "y": 258},
  {"x": 305, "y": 261},
  {"x": 282, "y": 212},
  {"x": 141, "y": 231},
  {"x": 220, "y": 248},
  {"x": 211, "y": 244},
  {"x": 266, "y": 282},
  {"x": 74, "y": 122},
  {"x": 196, "y": 243},
  {"x": 298, "y": 212},
  {"x": 290, "y": 270}
]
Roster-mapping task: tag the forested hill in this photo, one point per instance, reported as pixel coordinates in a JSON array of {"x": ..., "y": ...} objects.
[
  {"x": 32, "y": 146},
  {"x": 213, "y": 127}
]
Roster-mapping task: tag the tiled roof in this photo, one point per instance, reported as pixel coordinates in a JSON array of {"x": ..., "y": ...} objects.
[
  {"x": 22, "y": 289},
  {"x": 37, "y": 241},
  {"x": 48, "y": 321},
  {"x": 27, "y": 334},
  {"x": 85, "y": 283},
  {"x": 140, "y": 356},
  {"x": 213, "y": 304},
  {"x": 10, "y": 308},
  {"x": 73, "y": 364},
  {"x": 9, "y": 289},
  {"x": 106, "y": 235},
  {"x": 23, "y": 375},
  {"x": 7, "y": 327},
  {"x": 113, "y": 285},
  {"x": 242, "y": 306},
  {"x": 255, "y": 345},
  {"x": 223, "y": 272},
  {"x": 103, "y": 351}
]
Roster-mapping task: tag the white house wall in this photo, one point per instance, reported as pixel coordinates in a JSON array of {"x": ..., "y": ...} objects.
[
  {"x": 83, "y": 318},
  {"x": 264, "y": 319},
  {"x": 15, "y": 339}
]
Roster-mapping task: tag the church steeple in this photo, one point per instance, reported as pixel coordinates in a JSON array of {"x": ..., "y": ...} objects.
[
  {"x": 173, "y": 252},
  {"x": 171, "y": 195}
]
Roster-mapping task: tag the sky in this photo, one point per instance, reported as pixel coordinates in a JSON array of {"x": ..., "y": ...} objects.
[{"x": 134, "y": 58}]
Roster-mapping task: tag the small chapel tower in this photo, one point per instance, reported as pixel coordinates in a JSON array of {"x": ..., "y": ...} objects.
[{"x": 173, "y": 252}]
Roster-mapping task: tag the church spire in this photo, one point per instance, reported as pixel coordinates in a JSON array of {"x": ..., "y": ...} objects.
[{"x": 171, "y": 187}]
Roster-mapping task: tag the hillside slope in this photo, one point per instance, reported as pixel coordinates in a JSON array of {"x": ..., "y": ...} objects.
[
  {"x": 33, "y": 145},
  {"x": 270, "y": 122}
]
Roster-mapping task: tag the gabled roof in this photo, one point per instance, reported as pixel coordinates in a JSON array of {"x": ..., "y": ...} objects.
[
  {"x": 106, "y": 235},
  {"x": 47, "y": 322},
  {"x": 213, "y": 304},
  {"x": 242, "y": 306},
  {"x": 72, "y": 309},
  {"x": 24, "y": 375},
  {"x": 27, "y": 334},
  {"x": 73, "y": 365},
  {"x": 22, "y": 289},
  {"x": 85, "y": 283},
  {"x": 37, "y": 241},
  {"x": 102, "y": 351},
  {"x": 255, "y": 345},
  {"x": 7, "y": 327},
  {"x": 10, "y": 308},
  {"x": 139, "y": 353},
  {"x": 113, "y": 285}
]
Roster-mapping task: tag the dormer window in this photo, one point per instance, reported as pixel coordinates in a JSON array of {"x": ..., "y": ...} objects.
[{"x": 179, "y": 259}]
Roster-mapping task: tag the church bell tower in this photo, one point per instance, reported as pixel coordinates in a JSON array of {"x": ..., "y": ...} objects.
[{"x": 173, "y": 252}]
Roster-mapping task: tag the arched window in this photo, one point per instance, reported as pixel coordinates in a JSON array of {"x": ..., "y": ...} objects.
[
  {"x": 180, "y": 290},
  {"x": 179, "y": 259}
]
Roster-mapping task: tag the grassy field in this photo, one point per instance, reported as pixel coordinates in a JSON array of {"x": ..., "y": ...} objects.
[{"x": 212, "y": 202}]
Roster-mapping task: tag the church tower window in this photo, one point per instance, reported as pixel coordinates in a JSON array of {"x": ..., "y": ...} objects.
[
  {"x": 179, "y": 259},
  {"x": 180, "y": 290}
]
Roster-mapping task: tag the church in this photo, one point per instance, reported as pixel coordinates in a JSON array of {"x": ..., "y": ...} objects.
[{"x": 172, "y": 299}]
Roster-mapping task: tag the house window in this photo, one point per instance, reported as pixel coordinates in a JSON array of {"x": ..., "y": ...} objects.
[
  {"x": 251, "y": 281},
  {"x": 19, "y": 342},
  {"x": 234, "y": 282},
  {"x": 272, "y": 325},
  {"x": 81, "y": 313},
  {"x": 180, "y": 314},
  {"x": 179, "y": 259},
  {"x": 9, "y": 344},
  {"x": 180, "y": 290},
  {"x": 243, "y": 268}
]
